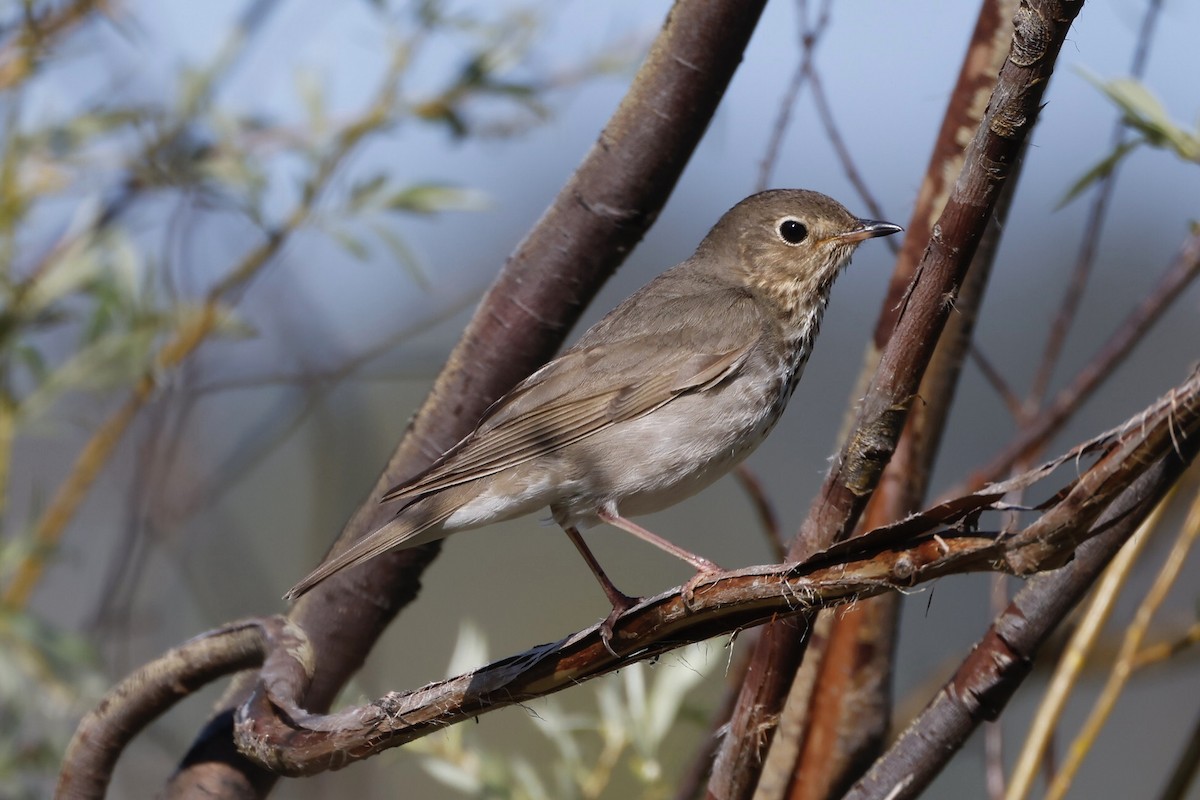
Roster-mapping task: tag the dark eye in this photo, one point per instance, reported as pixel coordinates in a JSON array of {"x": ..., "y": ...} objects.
[{"x": 793, "y": 232}]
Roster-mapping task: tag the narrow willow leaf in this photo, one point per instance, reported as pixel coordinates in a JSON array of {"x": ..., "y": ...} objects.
[
  {"x": 431, "y": 198},
  {"x": 404, "y": 256}
]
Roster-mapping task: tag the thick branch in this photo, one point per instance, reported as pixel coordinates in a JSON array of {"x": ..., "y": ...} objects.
[
  {"x": 847, "y": 720},
  {"x": 136, "y": 701}
]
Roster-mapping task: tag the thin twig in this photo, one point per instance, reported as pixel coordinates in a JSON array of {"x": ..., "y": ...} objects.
[
  {"x": 1123, "y": 667},
  {"x": 1070, "y": 664},
  {"x": 1187, "y": 766},
  {"x": 834, "y": 134},
  {"x": 767, "y": 518},
  {"x": 1157, "y": 653},
  {"x": 810, "y": 37},
  {"x": 1093, "y": 228},
  {"x": 993, "y": 376}
]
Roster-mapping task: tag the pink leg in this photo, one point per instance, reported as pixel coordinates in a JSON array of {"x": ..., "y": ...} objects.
[
  {"x": 617, "y": 521},
  {"x": 620, "y": 601}
]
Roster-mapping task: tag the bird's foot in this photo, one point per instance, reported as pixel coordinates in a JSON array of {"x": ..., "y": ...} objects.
[
  {"x": 620, "y": 604},
  {"x": 703, "y": 573}
]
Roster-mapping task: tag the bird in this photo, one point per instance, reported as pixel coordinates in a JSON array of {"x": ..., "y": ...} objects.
[{"x": 666, "y": 393}]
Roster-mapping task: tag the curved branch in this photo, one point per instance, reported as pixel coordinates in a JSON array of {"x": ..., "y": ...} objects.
[
  {"x": 147, "y": 693},
  {"x": 941, "y": 541},
  {"x": 281, "y": 736},
  {"x": 999, "y": 662}
]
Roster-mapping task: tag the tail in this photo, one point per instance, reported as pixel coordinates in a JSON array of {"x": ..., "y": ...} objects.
[{"x": 416, "y": 524}]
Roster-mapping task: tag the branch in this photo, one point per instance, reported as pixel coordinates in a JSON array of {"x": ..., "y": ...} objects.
[
  {"x": 136, "y": 701},
  {"x": 999, "y": 662},
  {"x": 923, "y": 308},
  {"x": 941, "y": 541},
  {"x": 603, "y": 210}
]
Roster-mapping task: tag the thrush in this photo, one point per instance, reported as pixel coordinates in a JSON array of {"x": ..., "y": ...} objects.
[{"x": 665, "y": 394}]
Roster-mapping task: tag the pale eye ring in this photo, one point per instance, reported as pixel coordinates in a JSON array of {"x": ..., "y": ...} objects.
[{"x": 793, "y": 231}]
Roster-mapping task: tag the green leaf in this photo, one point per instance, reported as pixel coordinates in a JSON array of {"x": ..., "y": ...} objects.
[
  {"x": 401, "y": 252},
  {"x": 368, "y": 193},
  {"x": 31, "y": 357},
  {"x": 350, "y": 243},
  {"x": 1100, "y": 171},
  {"x": 312, "y": 96},
  {"x": 431, "y": 198},
  {"x": 113, "y": 359},
  {"x": 1146, "y": 114},
  {"x": 78, "y": 266}
]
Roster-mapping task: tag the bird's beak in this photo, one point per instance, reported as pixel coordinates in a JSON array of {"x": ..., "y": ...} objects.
[{"x": 869, "y": 229}]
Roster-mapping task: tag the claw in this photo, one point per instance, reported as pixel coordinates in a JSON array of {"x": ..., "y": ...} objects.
[
  {"x": 688, "y": 594},
  {"x": 620, "y": 606}
]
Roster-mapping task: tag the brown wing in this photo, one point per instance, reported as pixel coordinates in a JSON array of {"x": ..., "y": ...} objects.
[{"x": 597, "y": 384}]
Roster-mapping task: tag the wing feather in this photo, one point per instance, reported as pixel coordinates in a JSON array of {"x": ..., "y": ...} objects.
[{"x": 598, "y": 384}]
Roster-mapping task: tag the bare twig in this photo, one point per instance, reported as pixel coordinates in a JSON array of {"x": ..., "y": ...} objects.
[
  {"x": 1157, "y": 653},
  {"x": 1092, "y": 229},
  {"x": 767, "y": 518},
  {"x": 20, "y": 55},
  {"x": 834, "y": 134},
  {"x": 1071, "y": 663},
  {"x": 810, "y": 37},
  {"x": 995, "y": 378},
  {"x": 1187, "y": 767},
  {"x": 1123, "y": 668}
]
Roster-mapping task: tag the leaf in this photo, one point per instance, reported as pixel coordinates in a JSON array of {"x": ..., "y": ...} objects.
[
  {"x": 1100, "y": 171},
  {"x": 401, "y": 252},
  {"x": 675, "y": 677},
  {"x": 312, "y": 97},
  {"x": 112, "y": 359},
  {"x": 350, "y": 243},
  {"x": 31, "y": 357},
  {"x": 470, "y": 650},
  {"x": 452, "y": 775},
  {"x": 78, "y": 266},
  {"x": 368, "y": 193},
  {"x": 431, "y": 198},
  {"x": 1146, "y": 114}
]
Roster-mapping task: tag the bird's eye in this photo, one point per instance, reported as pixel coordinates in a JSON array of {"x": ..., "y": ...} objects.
[{"x": 792, "y": 231}]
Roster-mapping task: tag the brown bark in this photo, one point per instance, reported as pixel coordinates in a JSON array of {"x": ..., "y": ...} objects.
[
  {"x": 845, "y": 727},
  {"x": 1040, "y": 29}
]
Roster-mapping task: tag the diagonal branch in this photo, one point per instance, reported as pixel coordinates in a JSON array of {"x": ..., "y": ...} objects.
[
  {"x": 1000, "y": 661},
  {"x": 1040, "y": 28}
]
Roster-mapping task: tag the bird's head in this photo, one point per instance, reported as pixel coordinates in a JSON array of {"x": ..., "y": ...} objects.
[{"x": 788, "y": 245}]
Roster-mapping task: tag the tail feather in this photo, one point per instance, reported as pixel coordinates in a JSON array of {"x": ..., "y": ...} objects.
[{"x": 422, "y": 517}]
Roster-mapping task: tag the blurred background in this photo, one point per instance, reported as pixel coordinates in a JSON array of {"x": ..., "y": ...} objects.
[{"x": 150, "y": 150}]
